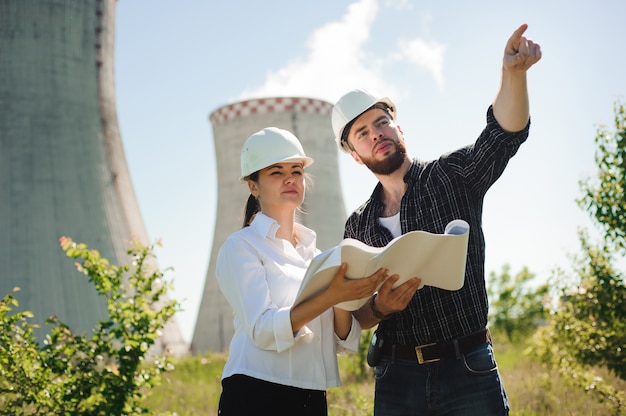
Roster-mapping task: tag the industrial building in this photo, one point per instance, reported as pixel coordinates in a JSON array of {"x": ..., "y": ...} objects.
[{"x": 63, "y": 170}]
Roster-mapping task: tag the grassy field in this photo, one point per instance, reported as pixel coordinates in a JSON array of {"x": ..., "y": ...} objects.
[{"x": 193, "y": 388}]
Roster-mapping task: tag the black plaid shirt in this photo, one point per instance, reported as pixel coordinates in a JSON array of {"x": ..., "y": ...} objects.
[{"x": 439, "y": 191}]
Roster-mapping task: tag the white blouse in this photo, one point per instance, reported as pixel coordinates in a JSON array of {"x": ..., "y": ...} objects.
[{"x": 260, "y": 275}]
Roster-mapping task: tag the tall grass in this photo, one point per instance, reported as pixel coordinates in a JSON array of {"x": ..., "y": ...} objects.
[
  {"x": 193, "y": 388},
  {"x": 534, "y": 390}
]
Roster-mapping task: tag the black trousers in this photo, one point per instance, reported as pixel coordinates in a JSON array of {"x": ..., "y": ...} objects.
[{"x": 244, "y": 395}]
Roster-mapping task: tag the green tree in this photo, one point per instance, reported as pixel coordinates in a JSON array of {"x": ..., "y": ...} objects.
[
  {"x": 587, "y": 328},
  {"x": 516, "y": 306},
  {"x": 605, "y": 197},
  {"x": 101, "y": 374}
]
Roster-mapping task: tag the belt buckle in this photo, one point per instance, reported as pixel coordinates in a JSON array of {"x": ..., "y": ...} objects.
[{"x": 420, "y": 354}]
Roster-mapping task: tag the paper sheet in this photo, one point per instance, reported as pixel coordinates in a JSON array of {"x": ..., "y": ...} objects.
[{"x": 437, "y": 259}]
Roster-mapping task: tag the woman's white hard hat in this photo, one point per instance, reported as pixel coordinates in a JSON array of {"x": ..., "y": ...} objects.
[
  {"x": 350, "y": 106},
  {"x": 270, "y": 146}
]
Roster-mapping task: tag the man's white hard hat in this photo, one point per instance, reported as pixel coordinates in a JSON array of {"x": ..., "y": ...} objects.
[
  {"x": 269, "y": 146},
  {"x": 350, "y": 106}
]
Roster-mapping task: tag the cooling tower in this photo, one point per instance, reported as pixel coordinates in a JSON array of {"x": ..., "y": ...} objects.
[
  {"x": 62, "y": 165},
  {"x": 309, "y": 120}
]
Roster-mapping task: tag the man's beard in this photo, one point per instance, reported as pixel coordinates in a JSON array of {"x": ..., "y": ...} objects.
[{"x": 390, "y": 164}]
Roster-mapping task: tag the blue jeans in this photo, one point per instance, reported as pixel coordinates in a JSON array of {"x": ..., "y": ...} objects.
[{"x": 469, "y": 385}]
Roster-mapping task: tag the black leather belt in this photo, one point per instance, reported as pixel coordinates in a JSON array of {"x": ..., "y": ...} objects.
[{"x": 429, "y": 353}]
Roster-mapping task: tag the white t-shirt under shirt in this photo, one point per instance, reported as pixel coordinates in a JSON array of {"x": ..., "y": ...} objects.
[
  {"x": 392, "y": 224},
  {"x": 260, "y": 275}
]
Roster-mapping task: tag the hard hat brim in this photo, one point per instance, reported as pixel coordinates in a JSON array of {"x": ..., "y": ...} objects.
[{"x": 306, "y": 162}]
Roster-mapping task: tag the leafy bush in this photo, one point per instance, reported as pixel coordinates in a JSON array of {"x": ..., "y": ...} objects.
[
  {"x": 101, "y": 374},
  {"x": 516, "y": 307},
  {"x": 587, "y": 328}
]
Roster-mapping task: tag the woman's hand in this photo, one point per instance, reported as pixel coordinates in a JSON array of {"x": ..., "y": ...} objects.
[{"x": 342, "y": 289}]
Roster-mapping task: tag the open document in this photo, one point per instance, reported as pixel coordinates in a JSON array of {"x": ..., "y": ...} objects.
[{"x": 437, "y": 259}]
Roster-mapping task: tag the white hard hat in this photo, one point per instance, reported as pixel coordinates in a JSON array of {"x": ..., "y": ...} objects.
[
  {"x": 352, "y": 105},
  {"x": 269, "y": 146}
]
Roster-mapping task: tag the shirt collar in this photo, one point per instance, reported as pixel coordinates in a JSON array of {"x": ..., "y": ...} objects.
[
  {"x": 264, "y": 226},
  {"x": 414, "y": 170},
  {"x": 267, "y": 227}
]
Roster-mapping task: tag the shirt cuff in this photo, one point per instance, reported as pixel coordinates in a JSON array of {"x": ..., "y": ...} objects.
[
  {"x": 285, "y": 338},
  {"x": 351, "y": 343}
]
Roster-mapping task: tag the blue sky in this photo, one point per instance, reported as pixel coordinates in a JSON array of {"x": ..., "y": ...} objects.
[{"x": 438, "y": 61}]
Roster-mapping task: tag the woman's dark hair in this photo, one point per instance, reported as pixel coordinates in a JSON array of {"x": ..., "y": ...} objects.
[{"x": 252, "y": 205}]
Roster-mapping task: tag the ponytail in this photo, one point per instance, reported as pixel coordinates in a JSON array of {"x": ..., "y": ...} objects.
[{"x": 252, "y": 207}]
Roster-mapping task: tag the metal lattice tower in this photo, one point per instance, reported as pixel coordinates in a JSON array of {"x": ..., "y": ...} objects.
[
  {"x": 309, "y": 120},
  {"x": 62, "y": 165}
]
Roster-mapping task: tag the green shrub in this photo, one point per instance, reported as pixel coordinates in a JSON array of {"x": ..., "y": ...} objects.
[
  {"x": 587, "y": 327},
  {"x": 101, "y": 374}
]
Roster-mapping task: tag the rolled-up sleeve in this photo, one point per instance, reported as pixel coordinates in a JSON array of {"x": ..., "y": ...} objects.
[
  {"x": 351, "y": 343},
  {"x": 285, "y": 338}
]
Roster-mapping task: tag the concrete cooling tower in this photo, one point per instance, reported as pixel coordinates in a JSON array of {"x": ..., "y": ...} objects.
[
  {"x": 63, "y": 170},
  {"x": 309, "y": 120}
]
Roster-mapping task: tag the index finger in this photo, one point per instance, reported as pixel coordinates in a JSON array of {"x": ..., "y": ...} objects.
[
  {"x": 512, "y": 46},
  {"x": 520, "y": 31}
]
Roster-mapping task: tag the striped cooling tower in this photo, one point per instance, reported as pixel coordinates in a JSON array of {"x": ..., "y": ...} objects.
[
  {"x": 309, "y": 120},
  {"x": 62, "y": 165}
]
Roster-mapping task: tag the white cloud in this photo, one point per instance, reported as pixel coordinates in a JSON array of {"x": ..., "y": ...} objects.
[
  {"x": 338, "y": 60},
  {"x": 428, "y": 55},
  {"x": 399, "y": 4}
]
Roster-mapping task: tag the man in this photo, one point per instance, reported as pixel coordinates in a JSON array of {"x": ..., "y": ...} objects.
[{"x": 436, "y": 355}]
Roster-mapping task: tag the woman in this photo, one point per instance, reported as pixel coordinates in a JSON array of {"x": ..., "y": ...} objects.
[{"x": 282, "y": 357}]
